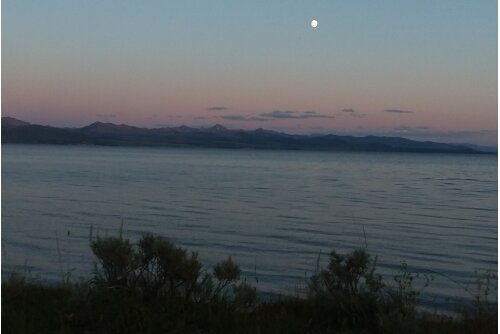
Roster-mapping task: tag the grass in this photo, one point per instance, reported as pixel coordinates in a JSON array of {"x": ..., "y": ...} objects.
[{"x": 158, "y": 287}]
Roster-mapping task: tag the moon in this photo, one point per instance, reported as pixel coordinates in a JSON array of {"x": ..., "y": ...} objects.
[{"x": 314, "y": 23}]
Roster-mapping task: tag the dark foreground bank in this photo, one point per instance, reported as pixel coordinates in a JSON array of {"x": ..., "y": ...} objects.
[{"x": 157, "y": 287}]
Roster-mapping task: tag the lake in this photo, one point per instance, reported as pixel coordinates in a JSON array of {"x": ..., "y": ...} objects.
[{"x": 274, "y": 212}]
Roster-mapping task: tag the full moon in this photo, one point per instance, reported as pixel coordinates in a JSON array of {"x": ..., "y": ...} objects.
[{"x": 314, "y": 23}]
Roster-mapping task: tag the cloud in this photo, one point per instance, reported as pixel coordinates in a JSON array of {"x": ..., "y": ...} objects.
[
  {"x": 399, "y": 111},
  {"x": 279, "y": 114},
  {"x": 289, "y": 114},
  {"x": 352, "y": 112},
  {"x": 106, "y": 115},
  {"x": 217, "y": 108},
  {"x": 276, "y": 114}
]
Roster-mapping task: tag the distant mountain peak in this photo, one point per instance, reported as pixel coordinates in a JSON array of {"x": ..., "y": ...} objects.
[
  {"x": 218, "y": 128},
  {"x": 184, "y": 127},
  {"x": 264, "y": 131},
  {"x": 100, "y": 127},
  {"x": 13, "y": 122}
]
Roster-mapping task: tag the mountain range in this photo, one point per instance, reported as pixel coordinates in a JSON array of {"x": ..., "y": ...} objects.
[{"x": 109, "y": 134}]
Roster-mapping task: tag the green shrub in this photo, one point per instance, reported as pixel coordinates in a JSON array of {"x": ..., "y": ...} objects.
[
  {"x": 226, "y": 272},
  {"x": 117, "y": 259},
  {"x": 155, "y": 266},
  {"x": 166, "y": 268},
  {"x": 347, "y": 274}
]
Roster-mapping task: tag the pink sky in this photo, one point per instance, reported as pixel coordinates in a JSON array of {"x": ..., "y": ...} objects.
[{"x": 139, "y": 65}]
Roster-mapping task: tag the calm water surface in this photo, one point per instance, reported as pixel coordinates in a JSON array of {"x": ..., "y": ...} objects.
[{"x": 272, "y": 211}]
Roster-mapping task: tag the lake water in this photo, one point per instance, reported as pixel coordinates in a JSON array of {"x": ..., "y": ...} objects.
[{"x": 272, "y": 211}]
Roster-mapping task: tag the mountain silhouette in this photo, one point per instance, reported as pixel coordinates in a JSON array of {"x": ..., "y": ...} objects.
[{"x": 217, "y": 136}]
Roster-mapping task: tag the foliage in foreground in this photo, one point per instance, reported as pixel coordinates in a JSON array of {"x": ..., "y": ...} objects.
[{"x": 157, "y": 287}]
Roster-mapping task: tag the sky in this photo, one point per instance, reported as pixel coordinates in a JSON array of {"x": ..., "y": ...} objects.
[{"x": 421, "y": 69}]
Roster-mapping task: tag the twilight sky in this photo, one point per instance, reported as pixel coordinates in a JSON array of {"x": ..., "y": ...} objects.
[{"x": 422, "y": 69}]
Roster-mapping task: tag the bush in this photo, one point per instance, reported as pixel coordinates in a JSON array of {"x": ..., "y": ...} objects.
[
  {"x": 347, "y": 275},
  {"x": 158, "y": 267},
  {"x": 117, "y": 259},
  {"x": 157, "y": 287},
  {"x": 155, "y": 266},
  {"x": 166, "y": 268},
  {"x": 226, "y": 272}
]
